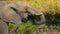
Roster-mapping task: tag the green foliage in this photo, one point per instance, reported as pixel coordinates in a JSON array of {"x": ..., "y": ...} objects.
[
  {"x": 10, "y": 25},
  {"x": 25, "y": 27}
]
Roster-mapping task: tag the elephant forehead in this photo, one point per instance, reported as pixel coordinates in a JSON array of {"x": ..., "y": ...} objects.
[
  {"x": 20, "y": 7},
  {"x": 11, "y": 5}
]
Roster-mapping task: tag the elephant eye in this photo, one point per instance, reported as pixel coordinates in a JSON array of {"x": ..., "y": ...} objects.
[{"x": 13, "y": 8}]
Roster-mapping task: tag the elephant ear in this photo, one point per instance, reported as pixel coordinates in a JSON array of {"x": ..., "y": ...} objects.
[{"x": 9, "y": 15}]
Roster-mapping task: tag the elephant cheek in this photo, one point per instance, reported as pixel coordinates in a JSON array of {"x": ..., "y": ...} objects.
[{"x": 25, "y": 15}]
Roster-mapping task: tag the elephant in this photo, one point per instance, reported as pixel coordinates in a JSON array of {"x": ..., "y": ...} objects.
[
  {"x": 27, "y": 12},
  {"x": 16, "y": 12}
]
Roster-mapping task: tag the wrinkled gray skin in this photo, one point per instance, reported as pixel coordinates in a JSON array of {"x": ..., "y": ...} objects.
[{"x": 16, "y": 12}]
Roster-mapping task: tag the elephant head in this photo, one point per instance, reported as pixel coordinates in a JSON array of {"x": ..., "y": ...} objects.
[{"x": 28, "y": 13}]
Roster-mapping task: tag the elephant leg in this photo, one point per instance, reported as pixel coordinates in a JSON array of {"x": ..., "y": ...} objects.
[{"x": 3, "y": 27}]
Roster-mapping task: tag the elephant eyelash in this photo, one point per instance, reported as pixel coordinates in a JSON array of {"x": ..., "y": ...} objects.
[{"x": 13, "y": 9}]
